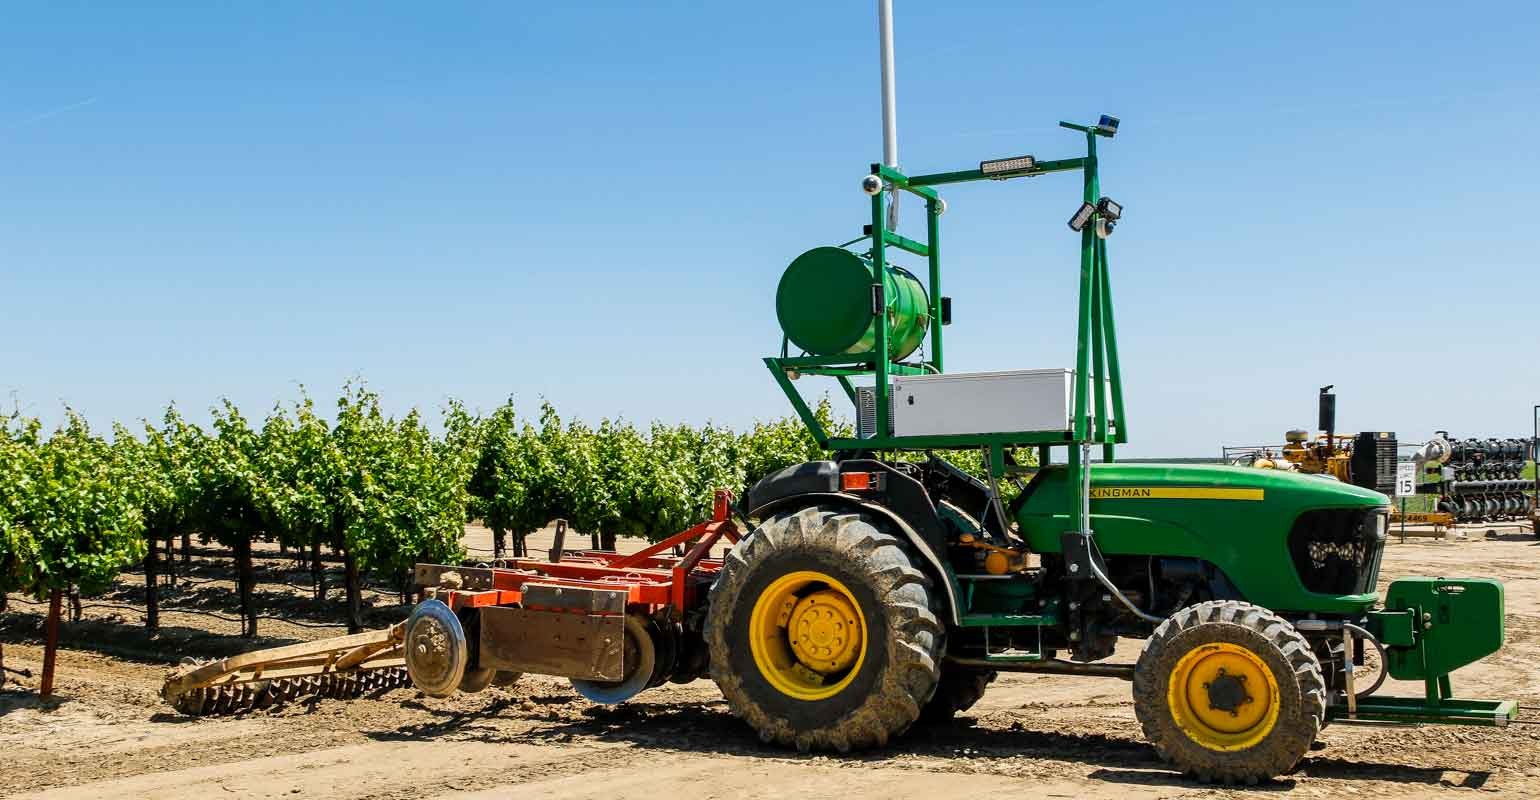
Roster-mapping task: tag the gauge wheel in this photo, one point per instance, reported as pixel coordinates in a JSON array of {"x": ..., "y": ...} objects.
[
  {"x": 640, "y": 658},
  {"x": 436, "y": 649}
]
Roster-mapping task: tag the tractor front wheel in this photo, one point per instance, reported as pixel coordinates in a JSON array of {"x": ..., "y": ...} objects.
[
  {"x": 822, "y": 632},
  {"x": 1229, "y": 692}
]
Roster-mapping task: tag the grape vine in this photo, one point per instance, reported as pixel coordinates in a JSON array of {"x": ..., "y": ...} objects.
[{"x": 383, "y": 492}]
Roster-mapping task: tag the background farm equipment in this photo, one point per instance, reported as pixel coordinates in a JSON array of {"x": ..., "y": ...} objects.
[
  {"x": 1366, "y": 459},
  {"x": 1479, "y": 480},
  {"x": 1476, "y": 479}
]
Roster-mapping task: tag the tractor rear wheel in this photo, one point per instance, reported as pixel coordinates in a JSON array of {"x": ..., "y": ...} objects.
[
  {"x": 957, "y": 691},
  {"x": 1229, "y": 692},
  {"x": 822, "y": 632}
]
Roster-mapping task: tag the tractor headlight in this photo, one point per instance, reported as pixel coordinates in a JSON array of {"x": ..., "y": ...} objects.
[
  {"x": 1107, "y": 126},
  {"x": 1006, "y": 167},
  {"x": 1082, "y": 216},
  {"x": 1109, "y": 208}
]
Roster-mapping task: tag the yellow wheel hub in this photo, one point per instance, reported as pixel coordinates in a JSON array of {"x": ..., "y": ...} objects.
[
  {"x": 823, "y": 631},
  {"x": 1223, "y": 696},
  {"x": 807, "y": 635}
]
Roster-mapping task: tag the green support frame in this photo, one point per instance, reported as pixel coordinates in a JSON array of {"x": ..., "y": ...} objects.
[{"x": 1097, "y": 419}]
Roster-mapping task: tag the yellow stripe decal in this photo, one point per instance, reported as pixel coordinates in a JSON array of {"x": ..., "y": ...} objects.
[{"x": 1172, "y": 493}]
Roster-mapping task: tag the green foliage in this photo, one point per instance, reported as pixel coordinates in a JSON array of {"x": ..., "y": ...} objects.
[
  {"x": 73, "y": 520},
  {"x": 19, "y": 468},
  {"x": 501, "y": 466},
  {"x": 585, "y": 490},
  {"x": 388, "y": 491},
  {"x": 780, "y": 443},
  {"x": 228, "y": 487},
  {"x": 402, "y": 497},
  {"x": 614, "y": 478},
  {"x": 465, "y": 440},
  {"x": 163, "y": 475},
  {"x": 301, "y": 476},
  {"x": 666, "y": 481},
  {"x": 540, "y": 471}
]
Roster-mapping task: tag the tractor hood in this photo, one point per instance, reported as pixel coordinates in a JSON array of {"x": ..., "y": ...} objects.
[
  {"x": 1113, "y": 480},
  {"x": 1250, "y": 523}
]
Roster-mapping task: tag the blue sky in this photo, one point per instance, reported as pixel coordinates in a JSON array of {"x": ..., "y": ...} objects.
[{"x": 592, "y": 202}]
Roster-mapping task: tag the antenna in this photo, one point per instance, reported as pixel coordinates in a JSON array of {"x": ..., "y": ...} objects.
[{"x": 889, "y": 102}]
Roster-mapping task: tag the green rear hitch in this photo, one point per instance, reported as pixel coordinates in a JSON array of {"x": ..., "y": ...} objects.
[{"x": 1430, "y": 627}]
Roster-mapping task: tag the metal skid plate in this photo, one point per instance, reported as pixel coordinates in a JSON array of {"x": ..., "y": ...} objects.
[
  {"x": 564, "y": 644},
  {"x": 569, "y": 598}
]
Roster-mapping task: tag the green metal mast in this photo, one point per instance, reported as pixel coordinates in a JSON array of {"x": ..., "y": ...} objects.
[{"x": 1098, "y": 416}]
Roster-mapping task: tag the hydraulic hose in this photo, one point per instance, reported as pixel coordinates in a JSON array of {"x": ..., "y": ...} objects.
[
  {"x": 1379, "y": 679},
  {"x": 994, "y": 495},
  {"x": 1322, "y": 626},
  {"x": 1090, "y": 541}
]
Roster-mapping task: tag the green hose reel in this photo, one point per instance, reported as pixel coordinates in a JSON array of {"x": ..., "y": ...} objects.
[{"x": 826, "y": 305}]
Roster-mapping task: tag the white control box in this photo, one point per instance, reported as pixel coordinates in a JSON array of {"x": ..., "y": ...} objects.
[{"x": 983, "y": 402}]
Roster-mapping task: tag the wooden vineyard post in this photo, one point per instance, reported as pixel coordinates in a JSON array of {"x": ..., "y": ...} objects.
[
  {"x": 51, "y": 646},
  {"x": 317, "y": 575},
  {"x": 243, "y": 583},
  {"x": 151, "y": 590},
  {"x": 350, "y": 566}
]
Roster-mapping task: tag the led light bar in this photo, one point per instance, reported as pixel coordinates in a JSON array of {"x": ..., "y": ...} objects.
[
  {"x": 1083, "y": 216},
  {"x": 1109, "y": 208},
  {"x": 1002, "y": 167}
]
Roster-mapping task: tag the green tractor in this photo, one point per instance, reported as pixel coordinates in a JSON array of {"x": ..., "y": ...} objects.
[{"x": 888, "y": 586}]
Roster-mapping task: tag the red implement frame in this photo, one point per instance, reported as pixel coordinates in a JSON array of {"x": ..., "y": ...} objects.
[{"x": 648, "y": 578}]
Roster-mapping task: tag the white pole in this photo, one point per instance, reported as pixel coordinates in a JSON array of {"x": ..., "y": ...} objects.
[{"x": 889, "y": 102}]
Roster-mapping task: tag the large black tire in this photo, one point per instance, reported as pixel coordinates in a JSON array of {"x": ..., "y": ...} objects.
[
  {"x": 958, "y": 689},
  {"x": 899, "y": 665},
  {"x": 1202, "y": 630}
]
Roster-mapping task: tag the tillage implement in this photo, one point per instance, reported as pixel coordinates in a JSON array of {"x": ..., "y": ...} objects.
[{"x": 887, "y": 586}]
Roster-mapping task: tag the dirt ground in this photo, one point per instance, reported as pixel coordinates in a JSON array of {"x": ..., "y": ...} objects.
[{"x": 108, "y": 735}]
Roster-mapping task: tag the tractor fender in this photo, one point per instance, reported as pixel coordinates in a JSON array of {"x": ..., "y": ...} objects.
[{"x": 932, "y": 565}]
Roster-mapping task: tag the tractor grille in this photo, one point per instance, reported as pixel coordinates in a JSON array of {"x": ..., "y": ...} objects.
[{"x": 1337, "y": 551}]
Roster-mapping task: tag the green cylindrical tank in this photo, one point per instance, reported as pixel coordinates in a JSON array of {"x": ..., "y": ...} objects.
[{"x": 824, "y": 304}]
